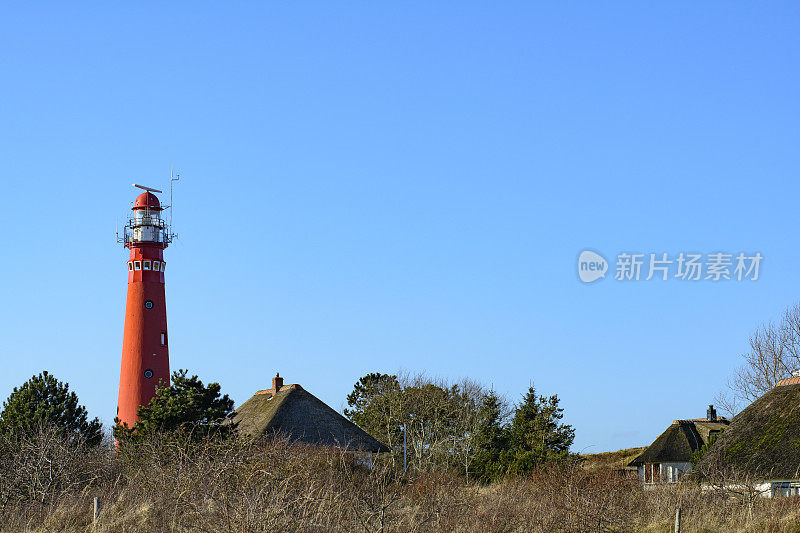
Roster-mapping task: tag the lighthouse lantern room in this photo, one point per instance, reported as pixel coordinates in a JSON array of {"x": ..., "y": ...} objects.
[{"x": 145, "y": 348}]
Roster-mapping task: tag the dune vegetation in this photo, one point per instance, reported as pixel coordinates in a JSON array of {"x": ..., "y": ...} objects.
[{"x": 48, "y": 483}]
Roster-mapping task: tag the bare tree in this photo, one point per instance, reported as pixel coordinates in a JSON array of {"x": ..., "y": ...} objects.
[
  {"x": 469, "y": 394},
  {"x": 773, "y": 355}
]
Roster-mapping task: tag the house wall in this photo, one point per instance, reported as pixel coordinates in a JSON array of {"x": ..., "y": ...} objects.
[
  {"x": 663, "y": 472},
  {"x": 784, "y": 487},
  {"x": 779, "y": 488},
  {"x": 672, "y": 472}
]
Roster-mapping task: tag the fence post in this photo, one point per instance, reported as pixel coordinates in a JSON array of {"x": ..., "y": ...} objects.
[
  {"x": 405, "y": 448},
  {"x": 678, "y": 520},
  {"x": 96, "y": 510}
]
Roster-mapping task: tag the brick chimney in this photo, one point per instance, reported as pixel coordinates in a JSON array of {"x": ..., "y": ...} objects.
[
  {"x": 277, "y": 383},
  {"x": 711, "y": 414}
]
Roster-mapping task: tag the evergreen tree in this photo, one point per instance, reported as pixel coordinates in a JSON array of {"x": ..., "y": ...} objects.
[
  {"x": 43, "y": 400},
  {"x": 491, "y": 439},
  {"x": 186, "y": 409},
  {"x": 536, "y": 434},
  {"x": 371, "y": 403}
]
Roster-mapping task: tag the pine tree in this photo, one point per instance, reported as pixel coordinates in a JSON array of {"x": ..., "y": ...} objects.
[
  {"x": 491, "y": 439},
  {"x": 186, "y": 409},
  {"x": 536, "y": 435},
  {"x": 371, "y": 404},
  {"x": 45, "y": 401}
]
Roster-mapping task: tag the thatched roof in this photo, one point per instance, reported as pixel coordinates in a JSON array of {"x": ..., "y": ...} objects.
[
  {"x": 299, "y": 415},
  {"x": 679, "y": 441},
  {"x": 618, "y": 461},
  {"x": 763, "y": 440}
]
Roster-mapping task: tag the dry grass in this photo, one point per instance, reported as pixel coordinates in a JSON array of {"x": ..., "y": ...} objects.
[
  {"x": 47, "y": 485},
  {"x": 613, "y": 460}
]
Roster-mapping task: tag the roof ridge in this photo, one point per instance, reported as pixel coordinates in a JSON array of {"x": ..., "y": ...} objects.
[
  {"x": 719, "y": 420},
  {"x": 282, "y": 389}
]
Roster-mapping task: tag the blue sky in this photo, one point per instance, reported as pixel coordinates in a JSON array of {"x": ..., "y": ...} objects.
[{"x": 376, "y": 187}]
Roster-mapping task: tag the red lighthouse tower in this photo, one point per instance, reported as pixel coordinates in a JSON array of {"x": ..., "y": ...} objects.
[{"x": 145, "y": 345}]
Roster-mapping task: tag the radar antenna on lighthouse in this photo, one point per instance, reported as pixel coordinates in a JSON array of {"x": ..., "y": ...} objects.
[{"x": 148, "y": 189}]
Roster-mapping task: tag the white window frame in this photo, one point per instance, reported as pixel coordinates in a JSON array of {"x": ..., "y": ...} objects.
[
  {"x": 146, "y": 264},
  {"x": 163, "y": 265},
  {"x": 163, "y": 338},
  {"x": 156, "y": 265},
  {"x": 137, "y": 265},
  {"x": 130, "y": 266}
]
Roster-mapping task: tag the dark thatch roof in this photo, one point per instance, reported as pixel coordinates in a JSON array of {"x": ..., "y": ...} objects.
[
  {"x": 763, "y": 440},
  {"x": 299, "y": 415},
  {"x": 679, "y": 441}
]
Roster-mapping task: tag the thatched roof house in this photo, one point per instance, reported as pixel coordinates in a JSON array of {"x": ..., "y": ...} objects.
[
  {"x": 670, "y": 455},
  {"x": 292, "y": 411},
  {"x": 762, "y": 442}
]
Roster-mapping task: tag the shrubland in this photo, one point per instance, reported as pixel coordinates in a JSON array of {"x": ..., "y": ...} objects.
[{"x": 48, "y": 482}]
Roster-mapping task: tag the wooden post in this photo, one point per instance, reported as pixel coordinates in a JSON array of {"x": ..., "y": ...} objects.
[
  {"x": 405, "y": 448},
  {"x": 96, "y": 510},
  {"x": 678, "y": 520}
]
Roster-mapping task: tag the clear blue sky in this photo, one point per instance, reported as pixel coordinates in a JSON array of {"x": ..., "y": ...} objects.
[{"x": 373, "y": 187}]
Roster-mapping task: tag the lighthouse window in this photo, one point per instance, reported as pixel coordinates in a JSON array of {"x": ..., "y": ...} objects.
[
  {"x": 163, "y": 338},
  {"x": 156, "y": 264},
  {"x": 137, "y": 265},
  {"x": 148, "y": 373},
  {"x": 148, "y": 304},
  {"x": 147, "y": 265},
  {"x": 130, "y": 265},
  {"x": 163, "y": 266}
]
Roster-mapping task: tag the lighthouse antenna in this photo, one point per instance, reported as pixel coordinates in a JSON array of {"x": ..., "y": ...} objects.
[
  {"x": 148, "y": 189},
  {"x": 173, "y": 177}
]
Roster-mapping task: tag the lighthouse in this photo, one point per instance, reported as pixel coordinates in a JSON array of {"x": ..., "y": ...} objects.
[{"x": 145, "y": 342}]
